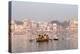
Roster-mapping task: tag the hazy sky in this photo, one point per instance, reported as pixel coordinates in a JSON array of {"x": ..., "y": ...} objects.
[{"x": 43, "y": 11}]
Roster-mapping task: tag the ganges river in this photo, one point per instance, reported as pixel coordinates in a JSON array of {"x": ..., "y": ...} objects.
[{"x": 21, "y": 42}]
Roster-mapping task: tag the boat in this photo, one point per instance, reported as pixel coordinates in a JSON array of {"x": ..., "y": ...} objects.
[
  {"x": 56, "y": 38},
  {"x": 42, "y": 38}
]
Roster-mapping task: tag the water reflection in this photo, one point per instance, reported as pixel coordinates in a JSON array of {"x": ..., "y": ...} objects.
[{"x": 20, "y": 43}]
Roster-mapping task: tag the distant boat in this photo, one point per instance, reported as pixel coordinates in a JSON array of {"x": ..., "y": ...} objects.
[{"x": 56, "y": 38}]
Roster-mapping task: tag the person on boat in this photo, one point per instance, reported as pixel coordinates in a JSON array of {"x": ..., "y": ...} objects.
[{"x": 45, "y": 36}]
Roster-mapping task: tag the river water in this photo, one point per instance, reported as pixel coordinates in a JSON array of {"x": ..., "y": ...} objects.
[{"x": 22, "y": 43}]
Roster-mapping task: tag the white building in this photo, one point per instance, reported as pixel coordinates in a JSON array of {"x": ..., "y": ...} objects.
[{"x": 54, "y": 27}]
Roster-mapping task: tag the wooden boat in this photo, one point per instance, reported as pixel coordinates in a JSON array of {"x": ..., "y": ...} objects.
[{"x": 42, "y": 38}]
